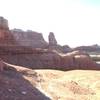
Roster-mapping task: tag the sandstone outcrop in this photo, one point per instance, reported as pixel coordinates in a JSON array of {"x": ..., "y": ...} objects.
[
  {"x": 28, "y": 48},
  {"x": 80, "y": 60},
  {"x": 19, "y": 37},
  {"x": 29, "y": 38},
  {"x": 3, "y": 24},
  {"x": 44, "y": 58},
  {"x": 6, "y": 38},
  {"x": 53, "y": 45},
  {"x": 1, "y": 65},
  {"x": 66, "y": 49},
  {"x": 92, "y": 48},
  {"x": 52, "y": 39}
]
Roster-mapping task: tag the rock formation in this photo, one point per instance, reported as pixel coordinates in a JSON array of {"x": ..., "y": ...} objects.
[
  {"x": 20, "y": 38},
  {"x": 78, "y": 60},
  {"x": 44, "y": 58},
  {"x": 52, "y": 39},
  {"x": 3, "y": 24},
  {"x": 92, "y": 48},
  {"x": 27, "y": 48},
  {"x": 29, "y": 38},
  {"x": 53, "y": 45},
  {"x": 1, "y": 65},
  {"x": 6, "y": 38},
  {"x": 66, "y": 49}
]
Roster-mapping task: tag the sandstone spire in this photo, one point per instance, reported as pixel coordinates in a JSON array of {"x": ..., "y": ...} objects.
[{"x": 52, "y": 39}]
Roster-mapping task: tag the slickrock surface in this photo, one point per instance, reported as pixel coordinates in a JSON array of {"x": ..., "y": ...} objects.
[{"x": 18, "y": 83}]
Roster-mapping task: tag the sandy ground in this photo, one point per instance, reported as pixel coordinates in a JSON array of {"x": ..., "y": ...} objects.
[{"x": 71, "y": 85}]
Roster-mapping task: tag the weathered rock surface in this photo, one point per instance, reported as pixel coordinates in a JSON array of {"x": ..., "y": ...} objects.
[
  {"x": 92, "y": 48},
  {"x": 59, "y": 48},
  {"x": 66, "y": 49},
  {"x": 2, "y": 65},
  {"x": 19, "y": 83},
  {"x": 52, "y": 39},
  {"x": 4, "y": 24},
  {"x": 6, "y": 38},
  {"x": 18, "y": 37},
  {"x": 44, "y": 58},
  {"x": 29, "y": 38},
  {"x": 78, "y": 60},
  {"x": 53, "y": 45},
  {"x": 26, "y": 48}
]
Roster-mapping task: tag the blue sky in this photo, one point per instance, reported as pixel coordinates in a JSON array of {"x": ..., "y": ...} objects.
[
  {"x": 74, "y": 22},
  {"x": 91, "y": 2}
]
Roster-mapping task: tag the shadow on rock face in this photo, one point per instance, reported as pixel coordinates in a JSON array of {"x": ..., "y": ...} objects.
[{"x": 13, "y": 86}]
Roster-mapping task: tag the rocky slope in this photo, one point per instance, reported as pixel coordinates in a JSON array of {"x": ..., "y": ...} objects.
[{"x": 18, "y": 83}]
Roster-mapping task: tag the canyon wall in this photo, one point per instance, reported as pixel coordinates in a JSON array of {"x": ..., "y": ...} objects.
[
  {"x": 29, "y": 38},
  {"x": 29, "y": 49}
]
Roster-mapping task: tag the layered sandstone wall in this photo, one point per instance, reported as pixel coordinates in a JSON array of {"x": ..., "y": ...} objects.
[
  {"x": 18, "y": 37},
  {"x": 44, "y": 58},
  {"x": 6, "y": 38},
  {"x": 26, "y": 48},
  {"x": 29, "y": 38}
]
